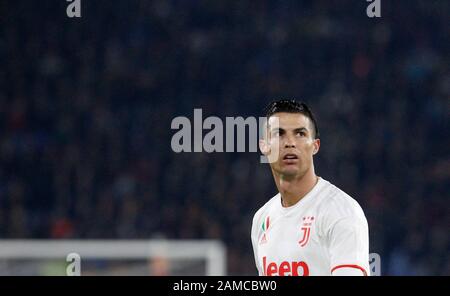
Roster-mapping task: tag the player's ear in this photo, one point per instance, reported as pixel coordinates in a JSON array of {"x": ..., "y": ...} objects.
[
  {"x": 316, "y": 145},
  {"x": 264, "y": 147}
]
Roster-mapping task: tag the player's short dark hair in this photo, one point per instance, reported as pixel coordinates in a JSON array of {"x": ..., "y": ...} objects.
[{"x": 292, "y": 106}]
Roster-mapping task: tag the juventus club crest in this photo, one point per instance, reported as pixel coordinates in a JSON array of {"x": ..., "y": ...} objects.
[{"x": 306, "y": 230}]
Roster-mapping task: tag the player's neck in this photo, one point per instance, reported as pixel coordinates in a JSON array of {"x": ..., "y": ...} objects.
[{"x": 293, "y": 190}]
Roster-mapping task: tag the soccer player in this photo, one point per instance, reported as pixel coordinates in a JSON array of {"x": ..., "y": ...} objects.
[{"x": 311, "y": 227}]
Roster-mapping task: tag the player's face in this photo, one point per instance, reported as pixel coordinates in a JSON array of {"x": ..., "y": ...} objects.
[{"x": 292, "y": 134}]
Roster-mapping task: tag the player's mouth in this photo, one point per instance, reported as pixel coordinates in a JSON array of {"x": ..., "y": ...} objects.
[{"x": 290, "y": 158}]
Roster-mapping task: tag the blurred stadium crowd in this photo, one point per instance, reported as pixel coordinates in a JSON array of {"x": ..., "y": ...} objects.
[{"x": 86, "y": 106}]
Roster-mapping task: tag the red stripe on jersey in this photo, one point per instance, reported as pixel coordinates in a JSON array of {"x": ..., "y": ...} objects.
[{"x": 350, "y": 266}]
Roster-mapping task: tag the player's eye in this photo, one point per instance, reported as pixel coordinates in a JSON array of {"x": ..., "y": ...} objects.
[{"x": 301, "y": 133}]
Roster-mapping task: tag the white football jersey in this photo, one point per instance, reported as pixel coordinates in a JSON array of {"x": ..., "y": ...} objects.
[{"x": 324, "y": 233}]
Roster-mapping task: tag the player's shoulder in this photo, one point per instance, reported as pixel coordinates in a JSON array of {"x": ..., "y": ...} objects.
[{"x": 338, "y": 203}]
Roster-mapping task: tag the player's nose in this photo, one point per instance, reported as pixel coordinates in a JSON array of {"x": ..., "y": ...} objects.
[{"x": 289, "y": 142}]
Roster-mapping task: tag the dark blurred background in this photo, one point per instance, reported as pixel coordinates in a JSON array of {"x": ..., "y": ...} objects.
[{"x": 86, "y": 106}]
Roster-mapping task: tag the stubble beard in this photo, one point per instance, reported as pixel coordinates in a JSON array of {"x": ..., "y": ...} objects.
[{"x": 289, "y": 175}]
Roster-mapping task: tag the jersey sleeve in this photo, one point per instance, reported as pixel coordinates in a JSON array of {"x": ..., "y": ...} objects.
[{"x": 349, "y": 246}]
